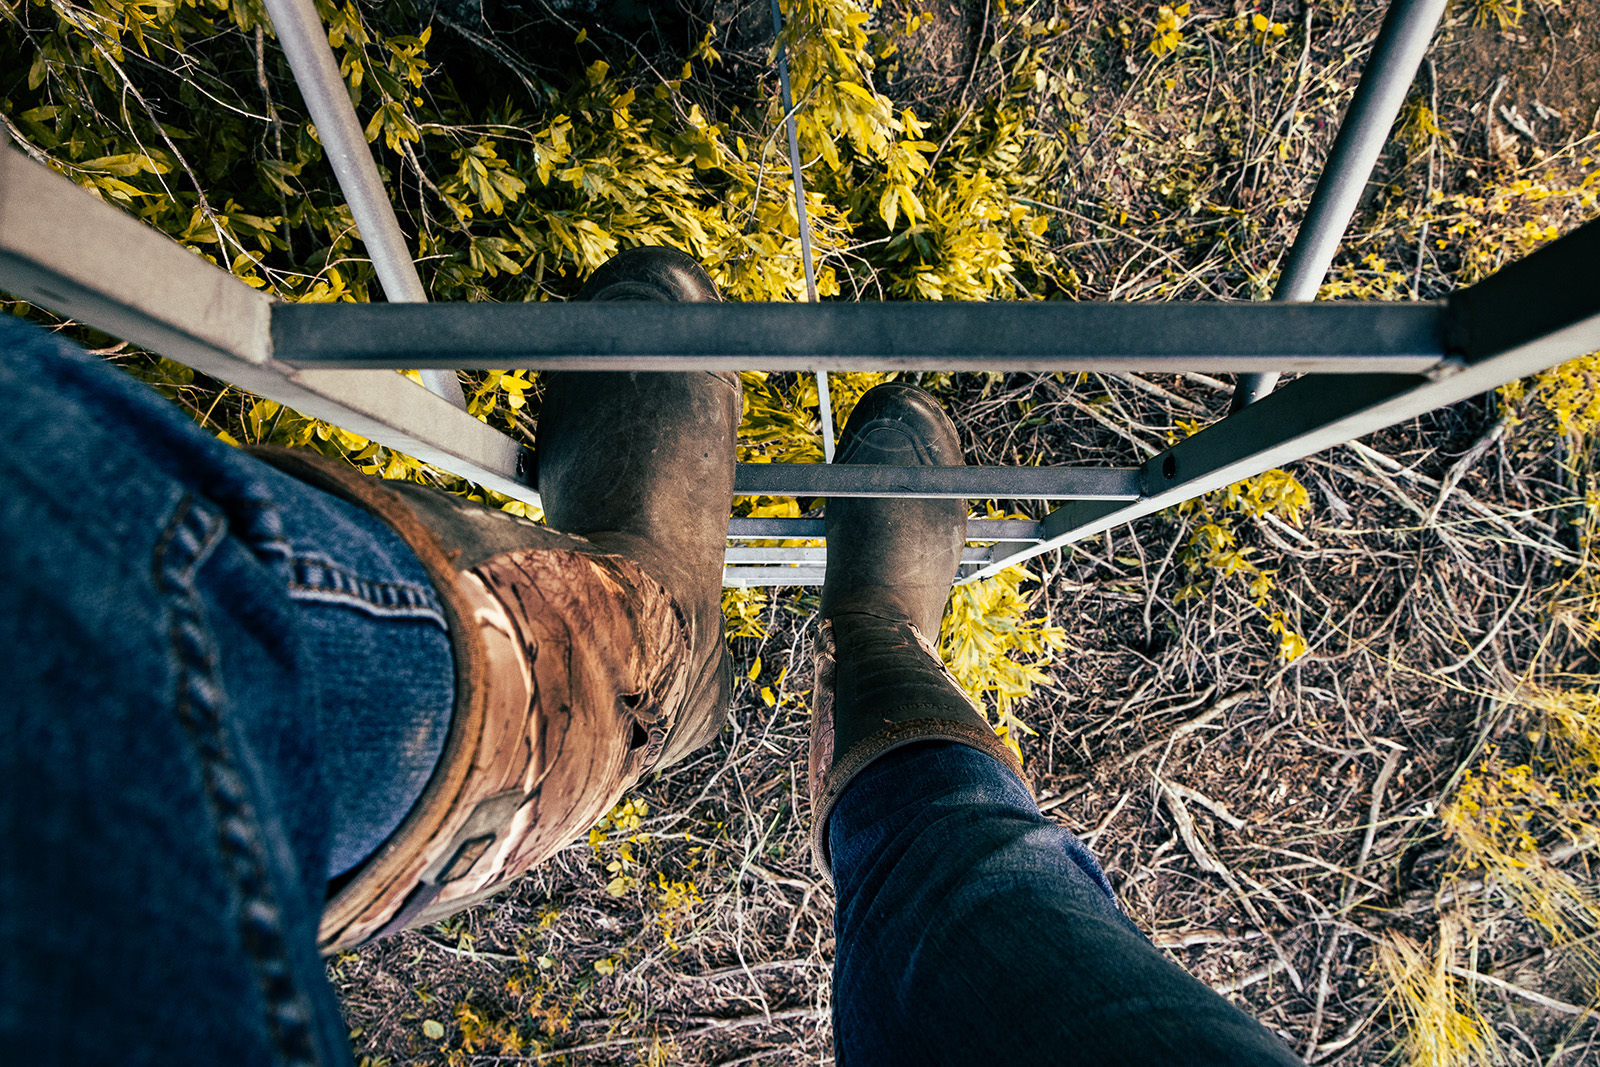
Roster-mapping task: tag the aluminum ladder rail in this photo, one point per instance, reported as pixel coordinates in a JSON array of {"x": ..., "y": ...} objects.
[{"x": 1367, "y": 365}]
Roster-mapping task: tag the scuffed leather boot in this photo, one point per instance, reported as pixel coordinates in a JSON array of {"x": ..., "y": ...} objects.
[
  {"x": 585, "y": 657},
  {"x": 662, "y": 500},
  {"x": 880, "y": 684}
]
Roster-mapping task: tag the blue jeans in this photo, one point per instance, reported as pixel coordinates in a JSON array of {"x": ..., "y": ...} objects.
[
  {"x": 224, "y": 687},
  {"x": 220, "y": 688},
  {"x": 971, "y": 929}
]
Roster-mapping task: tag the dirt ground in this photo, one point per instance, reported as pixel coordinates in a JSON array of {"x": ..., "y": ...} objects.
[{"x": 1266, "y": 823}]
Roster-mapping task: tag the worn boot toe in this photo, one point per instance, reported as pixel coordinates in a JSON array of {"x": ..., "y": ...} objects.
[
  {"x": 895, "y": 557},
  {"x": 653, "y": 273}
]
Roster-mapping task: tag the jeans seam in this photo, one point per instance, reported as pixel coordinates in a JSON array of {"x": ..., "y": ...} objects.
[
  {"x": 190, "y": 537},
  {"x": 317, "y": 579}
]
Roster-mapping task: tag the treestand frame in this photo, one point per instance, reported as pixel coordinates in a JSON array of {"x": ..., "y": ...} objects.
[{"x": 1365, "y": 366}]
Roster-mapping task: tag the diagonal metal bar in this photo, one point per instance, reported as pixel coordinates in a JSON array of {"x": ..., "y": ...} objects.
[
  {"x": 1402, "y": 42},
  {"x": 1530, "y": 316},
  {"x": 305, "y": 43},
  {"x": 999, "y": 336},
  {"x": 824, "y": 401},
  {"x": 65, "y": 250}
]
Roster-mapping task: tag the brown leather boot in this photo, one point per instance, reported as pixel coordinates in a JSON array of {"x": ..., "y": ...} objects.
[
  {"x": 582, "y": 662},
  {"x": 880, "y": 684}
]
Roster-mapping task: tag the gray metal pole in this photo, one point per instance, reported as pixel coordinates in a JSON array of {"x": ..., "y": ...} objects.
[
  {"x": 824, "y": 401},
  {"x": 305, "y": 43},
  {"x": 1402, "y": 42},
  {"x": 1034, "y": 336}
]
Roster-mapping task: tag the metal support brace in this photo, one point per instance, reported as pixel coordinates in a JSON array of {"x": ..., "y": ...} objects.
[
  {"x": 1402, "y": 42},
  {"x": 1528, "y": 317},
  {"x": 305, "y": 42},
  {"x": 802, "y": 219},
  {"x": 65, "y": 250}
]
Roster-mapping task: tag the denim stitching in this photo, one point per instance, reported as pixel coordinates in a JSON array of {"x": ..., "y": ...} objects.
[
  {"x": 319, "y": 579},
  {"x": 187, "y": 541},
  {"x": 258, "y": 522}
]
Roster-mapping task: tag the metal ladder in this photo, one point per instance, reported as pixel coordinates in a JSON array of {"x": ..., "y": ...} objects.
[{"x": 1365, "y": 365}]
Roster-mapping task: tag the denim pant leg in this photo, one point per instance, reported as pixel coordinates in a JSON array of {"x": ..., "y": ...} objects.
[
  {"x": 204, "y": 663},
  {"x": 970, "y": 929}
]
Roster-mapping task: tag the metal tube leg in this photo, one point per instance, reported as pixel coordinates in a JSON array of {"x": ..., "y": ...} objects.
[
  {"x": 305, "y": 43},
  {"x": 1396, "y": 55}
]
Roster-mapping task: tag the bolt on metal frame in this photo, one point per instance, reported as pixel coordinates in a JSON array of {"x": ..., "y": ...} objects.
[{"x": 1366, "y": 365}]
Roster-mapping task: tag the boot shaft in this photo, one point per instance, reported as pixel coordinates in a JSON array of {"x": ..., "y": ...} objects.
[
  {"x": 573, "y": 667},
  {"x": 880, "y": 684}
]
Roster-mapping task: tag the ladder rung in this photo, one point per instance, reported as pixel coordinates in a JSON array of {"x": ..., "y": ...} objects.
[
  {"x": 960, "y": 483},
  {"x": 1011, "y": 336},
  {"x": 1024, "y": 530}
]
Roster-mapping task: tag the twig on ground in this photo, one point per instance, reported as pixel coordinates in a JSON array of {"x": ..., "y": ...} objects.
[
  {"x": 1210, "y": 864},
  {"x": 1518, "y": 991}
]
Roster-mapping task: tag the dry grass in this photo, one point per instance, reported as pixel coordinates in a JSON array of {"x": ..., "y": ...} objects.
[{"x": 1443, "y": 1025}]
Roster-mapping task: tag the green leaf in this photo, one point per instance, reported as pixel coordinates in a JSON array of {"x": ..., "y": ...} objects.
[
  {"x": 387, "y": 81},
  {"x": 275, "y": 174}
]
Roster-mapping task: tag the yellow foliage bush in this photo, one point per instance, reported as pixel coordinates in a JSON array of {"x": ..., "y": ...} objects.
[
  {"x": 996, "y": 650},
  {"x": 1212, "y": 552}
]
